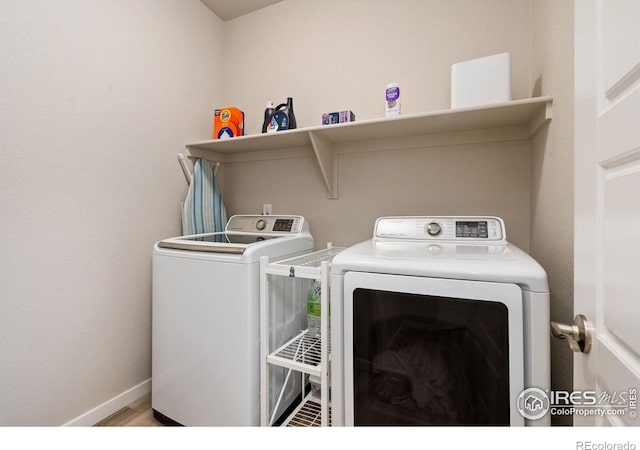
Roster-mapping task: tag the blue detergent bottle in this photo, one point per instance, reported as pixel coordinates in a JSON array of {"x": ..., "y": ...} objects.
[{"x": 281, "y": 118}]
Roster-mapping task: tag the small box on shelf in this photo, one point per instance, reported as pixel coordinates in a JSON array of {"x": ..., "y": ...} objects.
[{"x": 338, "y": 117}]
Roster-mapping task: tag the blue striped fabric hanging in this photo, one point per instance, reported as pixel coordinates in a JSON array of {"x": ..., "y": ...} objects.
[{"x": 203, "y": 210}]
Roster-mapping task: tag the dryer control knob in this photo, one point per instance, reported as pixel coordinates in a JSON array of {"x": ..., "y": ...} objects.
[
  {"x": 261, "y": 224},
  {"x": 433, "y": 229}
]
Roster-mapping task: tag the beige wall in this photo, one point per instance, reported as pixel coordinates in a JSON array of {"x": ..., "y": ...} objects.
[
  {"x": 97, "y": 99},
  {"x": 338, "y": 54},
  {"x": 552, "y": 173},
  {"x": 494, "y": 179}
]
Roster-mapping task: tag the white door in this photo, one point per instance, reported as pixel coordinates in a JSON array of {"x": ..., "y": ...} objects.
[{"x": 607, "y": 203}]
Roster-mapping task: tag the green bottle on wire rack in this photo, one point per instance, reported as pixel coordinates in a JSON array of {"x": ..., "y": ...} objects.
[{"x": 313, "y": 309}]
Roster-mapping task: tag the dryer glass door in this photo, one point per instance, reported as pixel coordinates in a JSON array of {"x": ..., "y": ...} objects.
[{"x": 422, "y": 351}]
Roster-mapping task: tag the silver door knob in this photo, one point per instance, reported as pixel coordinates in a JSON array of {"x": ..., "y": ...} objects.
[{"x": 578, "y": 333}]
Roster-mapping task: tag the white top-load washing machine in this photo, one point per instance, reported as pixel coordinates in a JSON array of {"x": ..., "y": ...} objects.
[
  {"x": 205, "y": 335},
  {"x": 438, "y": 321}
]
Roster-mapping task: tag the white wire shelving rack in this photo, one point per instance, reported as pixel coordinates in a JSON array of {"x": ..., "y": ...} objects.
[{"x": 303, "y": 353}]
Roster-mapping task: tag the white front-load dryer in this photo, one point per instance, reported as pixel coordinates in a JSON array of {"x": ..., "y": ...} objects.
[
  {"x": 205, "y": 319},
  {"x": 438, "y": 321}
]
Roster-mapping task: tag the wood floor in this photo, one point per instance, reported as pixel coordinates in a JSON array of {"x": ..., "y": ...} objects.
[{"x": 136, "y": 414}]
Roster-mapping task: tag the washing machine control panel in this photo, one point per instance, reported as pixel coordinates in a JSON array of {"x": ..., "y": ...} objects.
[
  {"x": 462, "y": 228},
  {"x": 265, "y": 224}
]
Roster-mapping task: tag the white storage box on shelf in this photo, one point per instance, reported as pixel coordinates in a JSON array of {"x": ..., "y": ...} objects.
[
  {"x": 481, "y": 81},
  {"x": 307, "y": 355}
]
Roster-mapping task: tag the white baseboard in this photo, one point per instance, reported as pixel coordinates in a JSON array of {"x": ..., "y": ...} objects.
[{"x": 109, "y": 407}]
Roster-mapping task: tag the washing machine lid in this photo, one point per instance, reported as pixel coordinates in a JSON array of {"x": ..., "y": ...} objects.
[
  {"x": 461, "y": 248},
  {"x": 235, "y": 243},
  {"x": 243, "y": 233}
]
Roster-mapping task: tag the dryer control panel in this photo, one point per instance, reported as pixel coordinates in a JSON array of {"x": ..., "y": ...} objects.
[{"x": 459, "y": 228}]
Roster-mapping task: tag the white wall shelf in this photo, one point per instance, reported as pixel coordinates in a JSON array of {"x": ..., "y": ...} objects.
[{"x": 517, "y": 119}]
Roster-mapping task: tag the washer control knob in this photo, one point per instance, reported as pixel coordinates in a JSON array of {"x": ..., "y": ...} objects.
[
  {"x": 261, "y": 224},
  {"x": 433, "y": 229}
]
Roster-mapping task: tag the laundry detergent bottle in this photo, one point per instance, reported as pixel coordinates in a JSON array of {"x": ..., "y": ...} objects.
[{"x": 282, "y": 118}]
